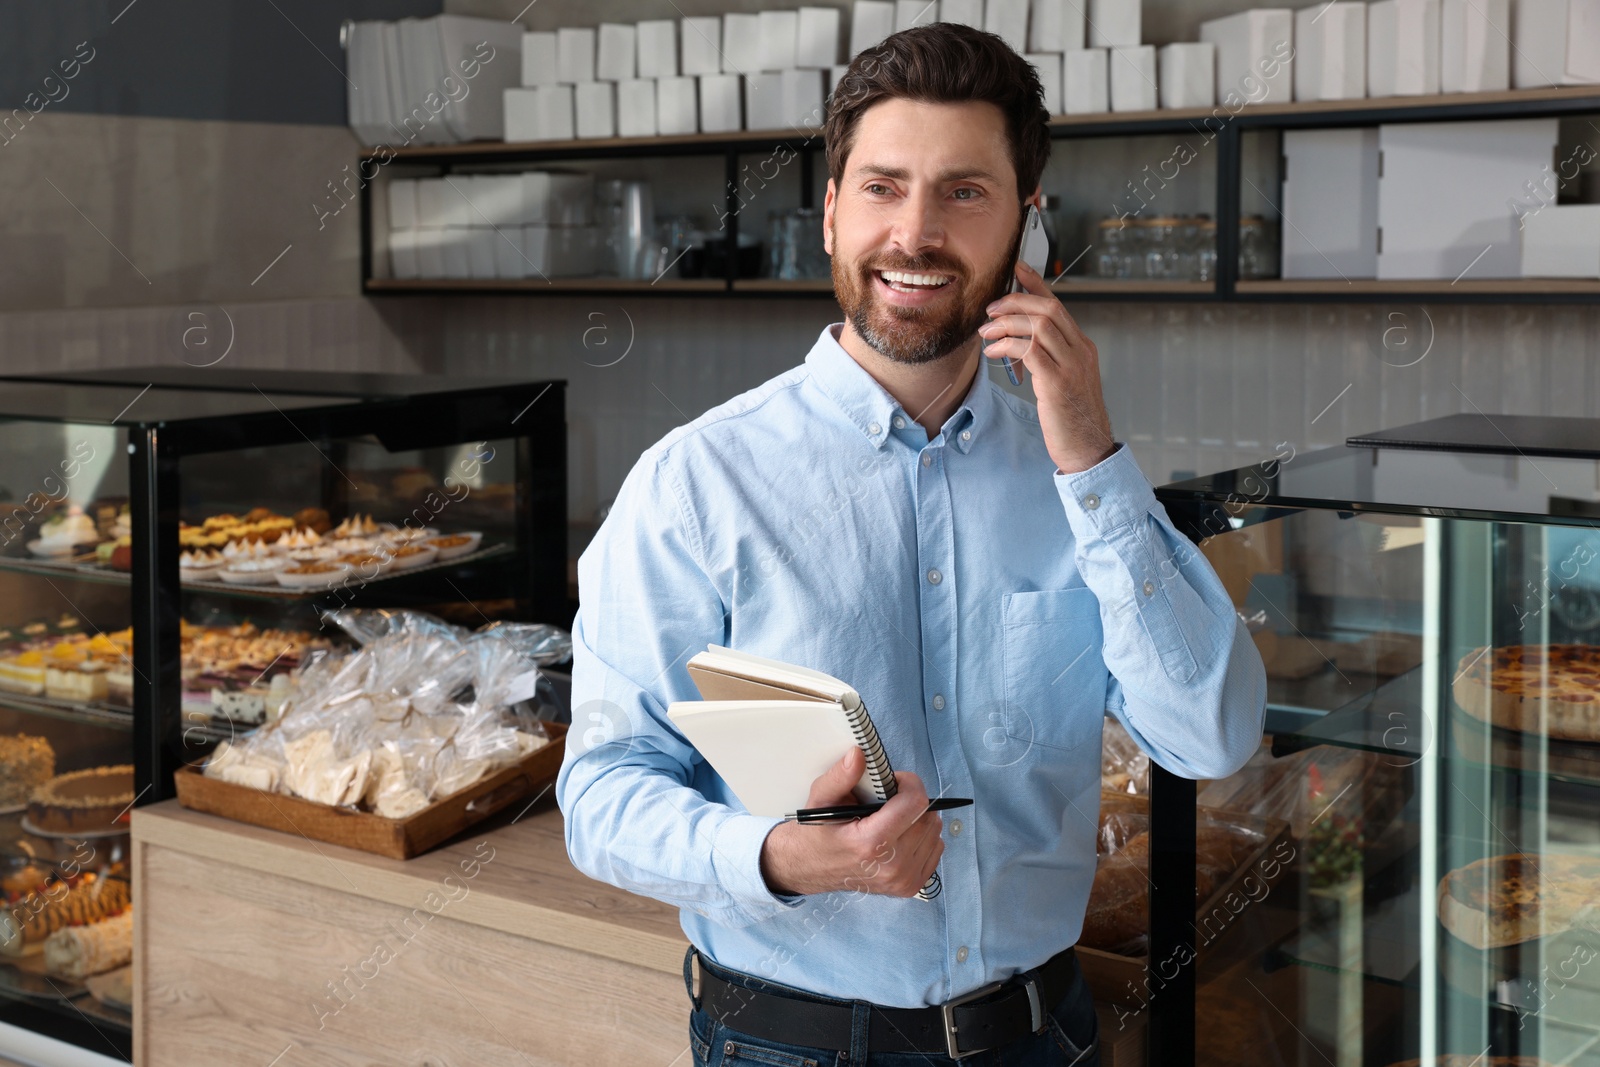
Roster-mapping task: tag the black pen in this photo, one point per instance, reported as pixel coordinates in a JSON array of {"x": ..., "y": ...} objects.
[{"x": 847, "y": 812}]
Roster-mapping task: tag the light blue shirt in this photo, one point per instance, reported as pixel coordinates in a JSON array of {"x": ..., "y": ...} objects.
[{"x": 989, "y": 609}]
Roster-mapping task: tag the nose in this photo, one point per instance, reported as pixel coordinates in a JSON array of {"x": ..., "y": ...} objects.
[{"x": 918, "y": 223}]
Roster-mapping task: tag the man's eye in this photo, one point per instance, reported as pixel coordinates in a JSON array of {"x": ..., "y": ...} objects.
[
  {"x": 965, "y": 193},
  {"x": 876, "y": 188}
]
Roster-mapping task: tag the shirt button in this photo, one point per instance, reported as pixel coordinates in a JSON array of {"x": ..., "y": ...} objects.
[
  {"x": 1091, "y": 501},
  {"x": 927, "y": 460},
  {"x": 938, "y": 702},
  {"x": 873, "y": 429},
  {"x": 961, "y": 954},
  {"x": 955, "y": 828},
  {"x": 899, "y": 423},
  {"x": 935, "y": 577},
  {"x": 1149, "y": 588},
  {"x": 966, "y": 435}
]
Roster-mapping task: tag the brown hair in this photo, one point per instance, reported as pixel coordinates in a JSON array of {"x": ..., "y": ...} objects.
[{"x": 944, "y": 62}]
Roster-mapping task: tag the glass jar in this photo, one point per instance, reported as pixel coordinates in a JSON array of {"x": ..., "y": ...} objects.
[
  {"x": 1160, "y": 248},
  {"x": 1111, "y": 248},
  {"x": 1187, "y": 259},
  {"x": 1206, "y": 252},
  {"x": 1253, "y": 251}
]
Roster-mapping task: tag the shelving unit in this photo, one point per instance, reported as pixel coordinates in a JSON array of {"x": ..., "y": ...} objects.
[{"x": 1220, "y": 128}]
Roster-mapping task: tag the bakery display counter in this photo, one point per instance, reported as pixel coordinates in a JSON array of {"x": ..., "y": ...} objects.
[
  {"x": 1433, "y": 668},
  {"x": 252, "y": 944},
  {"x": 172, "y": 547}
]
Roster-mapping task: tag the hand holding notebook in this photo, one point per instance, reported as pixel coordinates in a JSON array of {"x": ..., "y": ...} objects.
[{"x": 773, "y": 729}]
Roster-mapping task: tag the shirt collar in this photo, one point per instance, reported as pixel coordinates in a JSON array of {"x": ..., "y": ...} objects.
[{"x": 870, "y": 407}]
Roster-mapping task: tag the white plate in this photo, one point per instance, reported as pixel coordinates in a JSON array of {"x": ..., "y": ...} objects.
[
  {"x": 459, "y": 550},
  {"x": 314, "y": 581},
  {"x": 255, "y": 577},
  {"x": 198, "y": 574},
  {"x": 416, "y": 559},
  {"x": 76, "y": 835},
  {"x": 52, "y": 551}
]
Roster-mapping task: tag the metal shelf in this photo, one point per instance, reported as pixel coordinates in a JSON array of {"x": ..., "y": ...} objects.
[
  {"x": 1223, "y": 125},
  {"x": 104, "y": 715}
]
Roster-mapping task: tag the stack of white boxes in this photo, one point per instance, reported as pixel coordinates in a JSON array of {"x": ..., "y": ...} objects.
[
  {"x": 533, "y": 224},
  {"x": 615, "y": 80},
  {"x": 791, "y": 60}
]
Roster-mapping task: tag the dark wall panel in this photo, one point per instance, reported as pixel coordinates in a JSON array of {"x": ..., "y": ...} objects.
[{"x": 241, "y": 60}]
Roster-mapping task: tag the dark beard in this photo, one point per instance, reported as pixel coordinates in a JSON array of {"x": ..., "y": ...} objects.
[{"x": 918, "y": 335}]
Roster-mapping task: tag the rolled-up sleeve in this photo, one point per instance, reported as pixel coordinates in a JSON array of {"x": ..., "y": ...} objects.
[
  {"x": 1185, "y": 677},
  {"x": 646, "y": 604}
]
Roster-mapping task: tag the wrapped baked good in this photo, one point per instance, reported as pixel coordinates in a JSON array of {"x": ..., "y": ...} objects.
[
  {"x": 79, "y": 951},
  {"x": 1124, "y": 767},
  {"x": 41, "y": 913},
  {"x": 420, "y": 711}
]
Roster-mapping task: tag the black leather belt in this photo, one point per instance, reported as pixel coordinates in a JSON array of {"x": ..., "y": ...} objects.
[{"x": 987, "y": 1017}]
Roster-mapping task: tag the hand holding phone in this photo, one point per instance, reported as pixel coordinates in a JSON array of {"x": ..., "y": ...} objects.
[{"x": 1035, "y": 252}]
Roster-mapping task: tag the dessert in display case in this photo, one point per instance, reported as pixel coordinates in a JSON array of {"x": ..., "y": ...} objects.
[
  {"x": 187, "y": 555},
  {"x": 1429, "y": 619}
]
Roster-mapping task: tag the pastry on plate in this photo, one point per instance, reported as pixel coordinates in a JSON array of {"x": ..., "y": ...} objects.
[
  {"x": 1506, "y": 900},
  {"x": 1539, "y": 689}
]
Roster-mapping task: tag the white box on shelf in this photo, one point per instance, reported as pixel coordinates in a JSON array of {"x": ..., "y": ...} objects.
[
  {"x": 1055, "y": 26},
  {"x": 557, "y": 198},
  {"x": 431, "y": 207},
  {"x": 778, "y": 32},
  {"x": 1133, "y": 78},
  {"x": 480, "y": 252},
  {"x": 1330, "y": 203},
  {"x": 836, "y": 72},
  {"x": 677, "y": 111},
  {"x": 719, "y": 103},
  {"x": 574, "y": 55},
  {"x": 403, "y": 254},
  {"x": 429, "y": 244},
  {"x": 1048, "y": 66},
  {"x": 1474, "y": 46},
  {"x": 909, "y": 13},
  {"x": 741, "y": 42},
  {"x": 1255, "y": 53},
  {"x": 618, "y": 51},
  {"x": 1330, "y": 46},
  {"x": 522, "y": 114},
  {"x": 402, "y": 204},
  {"x": 1008, "y": 19},
  {"x": 1557, "y": 42},
  {"x": 539, "y": 59},
  {"x": 457, "y": 194},
  {"x": 1086, "y": 81},
  {"x": 1561, "y": 241},
  {"x": 1447, "y": 196},
  {"x": 534, "y": 262},
  {"x": 964, "y": 12},
  {"x": 870, "y": 22},
  {"x": 455, "y": 252},
  {"x": 1114, "y": 23},
  {"x": 496, "y": 200},
  {"x": 658, "y": 48},
  {"x": 1188, "y": 74},
  {"x": 508, "y": 262},
  {"x": 763, "y": 100},
  {"x": 556, "y": 112},
  {"x": 802, "y": 98},
  {"x": 1402, "y": 47},
  {"x": 702, "y": 45},
  {"x": 636, "y": 108},
  {"x": 572, "y": 251},
  {"x": 817, "y": 43},
  {"x": 597, "y": 109}
]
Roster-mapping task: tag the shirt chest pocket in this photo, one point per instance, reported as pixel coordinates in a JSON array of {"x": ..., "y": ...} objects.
[{"x": 1052, "y": 664}]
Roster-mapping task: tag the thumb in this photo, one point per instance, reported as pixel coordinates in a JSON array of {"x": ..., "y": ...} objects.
[{"x": 835, "y": 785}]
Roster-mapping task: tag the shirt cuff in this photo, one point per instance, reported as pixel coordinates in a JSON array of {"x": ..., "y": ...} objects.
[
  {"x": 1112, "y": 493},
  {"x": 736, "y": 858}
]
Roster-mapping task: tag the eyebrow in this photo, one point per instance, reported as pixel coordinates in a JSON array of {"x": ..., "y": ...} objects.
[{"x": 949, "y": 174}]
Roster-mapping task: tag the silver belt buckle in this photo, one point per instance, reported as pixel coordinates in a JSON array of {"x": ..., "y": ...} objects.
[
  {"x": 951, "y": 1041},
  {"x": 694, "y": 978}
]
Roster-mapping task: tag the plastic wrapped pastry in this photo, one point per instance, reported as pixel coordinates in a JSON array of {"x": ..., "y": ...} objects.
[{"x": 79, "y": 951}]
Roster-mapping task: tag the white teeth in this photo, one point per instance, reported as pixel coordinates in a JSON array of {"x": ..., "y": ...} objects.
[{"x": 904, "y": 278}]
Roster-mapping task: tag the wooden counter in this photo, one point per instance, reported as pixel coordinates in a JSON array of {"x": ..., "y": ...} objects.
[{"x": 266, "y": 948}]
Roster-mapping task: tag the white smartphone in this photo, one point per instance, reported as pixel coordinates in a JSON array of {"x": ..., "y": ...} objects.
[{"x": 1035, "y": 252}]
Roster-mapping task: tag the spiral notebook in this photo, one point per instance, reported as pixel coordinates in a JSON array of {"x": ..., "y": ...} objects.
[{"x": 771, "y": 728}]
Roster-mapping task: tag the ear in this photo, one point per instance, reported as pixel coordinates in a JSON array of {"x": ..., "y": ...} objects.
[
  {"x": 1034, "y": 198},
  {"x": 827, "y": 218}
]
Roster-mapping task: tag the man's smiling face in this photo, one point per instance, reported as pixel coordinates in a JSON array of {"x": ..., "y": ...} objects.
[{"x": 923, "y": 227}]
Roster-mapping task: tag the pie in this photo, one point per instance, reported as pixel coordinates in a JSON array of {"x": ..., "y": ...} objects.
[
  {"x": 1544, "y": 689},
  {"x": 1505, "y": 900},
  {"x": 90, "y": 800}
]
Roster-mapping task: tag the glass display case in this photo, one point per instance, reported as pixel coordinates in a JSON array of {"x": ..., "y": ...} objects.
[
  {"x": 169, "y": 541},
  {"x": 1430, "y": 625}
]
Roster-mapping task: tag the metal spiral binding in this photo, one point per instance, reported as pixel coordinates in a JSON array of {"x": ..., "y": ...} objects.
[{"x": 881, "y": 774}]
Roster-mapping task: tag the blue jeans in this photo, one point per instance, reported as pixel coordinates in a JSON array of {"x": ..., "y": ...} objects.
[{"x": 1070, "y": 1038}]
